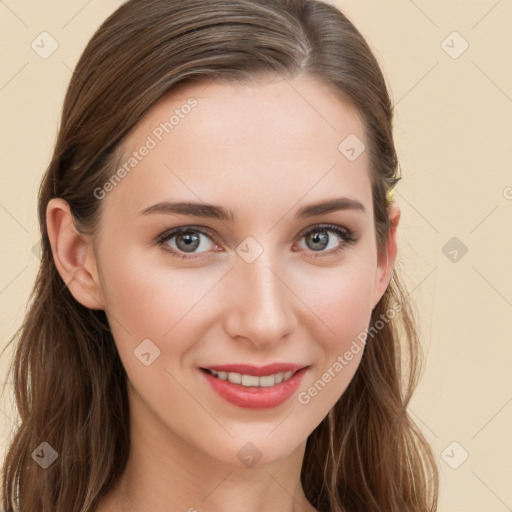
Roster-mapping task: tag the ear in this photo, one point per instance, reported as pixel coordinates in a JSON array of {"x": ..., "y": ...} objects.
[
  {"x": 73, "y": 255},
  {"x": 386, "y": 257}
]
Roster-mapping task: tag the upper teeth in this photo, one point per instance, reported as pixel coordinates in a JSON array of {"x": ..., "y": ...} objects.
[{"x": 252, "y": 380}]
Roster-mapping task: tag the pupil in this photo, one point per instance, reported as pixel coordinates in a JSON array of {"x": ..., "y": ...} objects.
[
  {"x": 191, "y": 241},
  {"x": 321, "y": 238}
]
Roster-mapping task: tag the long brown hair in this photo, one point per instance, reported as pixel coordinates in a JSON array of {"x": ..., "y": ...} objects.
[{"x": 69, "y": 384}]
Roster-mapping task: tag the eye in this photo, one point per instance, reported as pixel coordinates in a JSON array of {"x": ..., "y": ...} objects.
[
  {"x": 183, "y": 242},
  {"x": 186, "y": 240},
  {"x": 320, "y": 238}
]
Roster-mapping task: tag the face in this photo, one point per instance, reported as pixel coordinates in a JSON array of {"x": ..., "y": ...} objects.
[{"x": 260, "y": 278}]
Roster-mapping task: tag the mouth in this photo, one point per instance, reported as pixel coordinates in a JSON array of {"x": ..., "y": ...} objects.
[
  {"x": 251, "y": 380},
  {"x": 255, "y": 387}
]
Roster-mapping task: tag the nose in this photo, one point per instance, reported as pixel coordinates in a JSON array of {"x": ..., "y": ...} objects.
[{"x": 259, "y": 308}]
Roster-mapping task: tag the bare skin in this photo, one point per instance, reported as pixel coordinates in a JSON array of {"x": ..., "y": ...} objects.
[{"x": 264, "y": 153}]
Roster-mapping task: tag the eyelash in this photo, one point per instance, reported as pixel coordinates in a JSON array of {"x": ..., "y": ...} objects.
[{"x": 345, "y": 234}]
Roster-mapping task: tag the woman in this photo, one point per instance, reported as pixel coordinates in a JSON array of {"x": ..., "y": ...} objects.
[{"x": 215, "y": 323}]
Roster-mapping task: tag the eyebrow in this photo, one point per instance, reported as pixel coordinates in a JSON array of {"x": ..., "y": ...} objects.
[{"x": 223, "y": 214}]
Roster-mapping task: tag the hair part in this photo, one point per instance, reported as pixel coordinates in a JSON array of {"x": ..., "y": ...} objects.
[{"x": 69, "y": 382}]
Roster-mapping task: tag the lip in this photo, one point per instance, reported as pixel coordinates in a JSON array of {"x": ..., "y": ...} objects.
[{"x": 255, "y": 397}]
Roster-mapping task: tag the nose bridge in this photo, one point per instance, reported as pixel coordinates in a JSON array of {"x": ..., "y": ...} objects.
[{"x": 260, "y": 308}]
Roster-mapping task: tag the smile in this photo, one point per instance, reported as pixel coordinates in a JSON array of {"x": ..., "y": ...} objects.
[
  {"x": 252, "y": 380},
  {"x": 253, "y": 387}
]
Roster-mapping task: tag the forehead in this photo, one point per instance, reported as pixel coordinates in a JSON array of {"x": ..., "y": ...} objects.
[
  {"x": 272, "y": 141},
  {"x": 291, "y": 108}
]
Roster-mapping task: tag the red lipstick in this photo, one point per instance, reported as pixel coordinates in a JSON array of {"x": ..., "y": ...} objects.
[{"x": 255, "y": 397}]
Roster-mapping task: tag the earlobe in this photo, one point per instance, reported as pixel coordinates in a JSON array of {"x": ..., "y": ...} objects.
[
  {"x": 73, "y": 255},
  {"x": 387, "y": 257}
]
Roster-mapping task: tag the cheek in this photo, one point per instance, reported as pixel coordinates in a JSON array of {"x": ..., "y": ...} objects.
[
  {"x": 341, "y": 297},
  {"x": 149, "y": 301},
  {"x": 348, "y": 306},
  {"x": 342, "y": 313}
]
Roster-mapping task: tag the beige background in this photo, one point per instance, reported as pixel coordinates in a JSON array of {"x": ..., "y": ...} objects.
[{"x": 453, "y": 133}]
